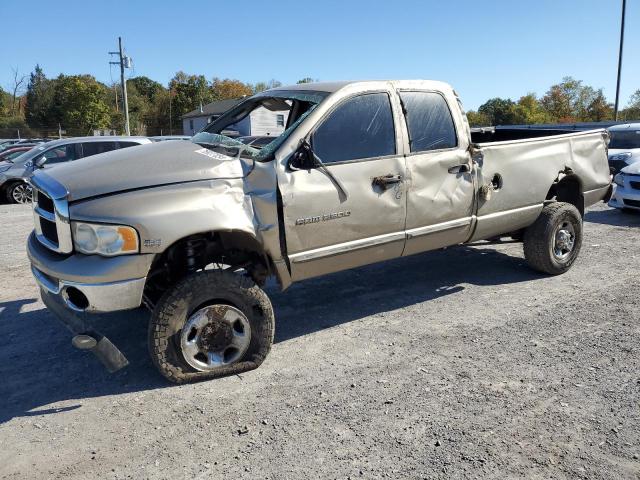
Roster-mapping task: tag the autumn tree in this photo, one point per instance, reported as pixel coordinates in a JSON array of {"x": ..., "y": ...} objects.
[
  {"x": 226, "y": 89},
  {"x": 187, "y": 92}
]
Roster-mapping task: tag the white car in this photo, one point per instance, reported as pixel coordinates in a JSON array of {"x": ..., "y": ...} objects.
[
  {"x": 624, "y": 157},
  {"x": 624, "y": 147}
]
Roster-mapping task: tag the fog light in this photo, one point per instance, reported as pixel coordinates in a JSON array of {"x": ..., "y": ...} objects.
[{"x": 75, "y": 299}]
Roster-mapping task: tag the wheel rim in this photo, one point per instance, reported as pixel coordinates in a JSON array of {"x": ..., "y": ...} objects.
[
  {"x": 215, "y": 336},
  {"x": 564, "y": 239},
  {"x": 22, "y": 193}
]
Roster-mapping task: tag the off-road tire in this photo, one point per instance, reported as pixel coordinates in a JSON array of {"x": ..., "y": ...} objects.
[
  {"x": 193, "y": 293},
  {"x": 539, "y": 238}
]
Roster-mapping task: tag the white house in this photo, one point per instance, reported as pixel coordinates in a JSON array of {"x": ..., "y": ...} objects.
[{"x": 259, "y": 122}]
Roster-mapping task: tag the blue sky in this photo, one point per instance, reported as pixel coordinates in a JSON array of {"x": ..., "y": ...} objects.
[{"x": 483, "y": 48}]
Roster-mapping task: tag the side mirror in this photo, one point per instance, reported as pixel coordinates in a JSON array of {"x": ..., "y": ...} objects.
[
  {"x": 39, "y": 163},
  {"x": 302, "y": 159}
]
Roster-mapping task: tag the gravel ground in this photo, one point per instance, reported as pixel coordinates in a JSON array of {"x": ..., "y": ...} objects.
[{"x": 461, "y": 363}]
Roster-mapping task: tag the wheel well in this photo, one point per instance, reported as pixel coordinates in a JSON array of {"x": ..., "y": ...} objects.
[
  {"x": 235, "y": 250},
  {"x": 568, "y": 188}
]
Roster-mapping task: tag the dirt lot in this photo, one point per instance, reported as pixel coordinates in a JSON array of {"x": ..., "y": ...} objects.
[{"x": 455, "y": 364}]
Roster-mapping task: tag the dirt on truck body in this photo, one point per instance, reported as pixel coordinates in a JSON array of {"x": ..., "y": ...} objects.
[{"x": 364, "y": 172}]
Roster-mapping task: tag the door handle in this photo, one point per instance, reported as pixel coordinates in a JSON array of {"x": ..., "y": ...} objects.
[
  {"x": 385, "y": 180},
  {"x": 462, "y": 168}
]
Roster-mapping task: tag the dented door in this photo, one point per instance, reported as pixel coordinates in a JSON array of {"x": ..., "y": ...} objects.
[
  {"x": 440, "y": 193},
  {"x": 352, "y": 212}
]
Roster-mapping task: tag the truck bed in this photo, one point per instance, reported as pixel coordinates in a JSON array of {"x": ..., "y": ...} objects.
[{"x": 522, "y": 171}]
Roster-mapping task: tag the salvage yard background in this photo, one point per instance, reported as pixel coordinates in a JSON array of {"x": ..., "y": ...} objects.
[{"x": 457, "y": 363}]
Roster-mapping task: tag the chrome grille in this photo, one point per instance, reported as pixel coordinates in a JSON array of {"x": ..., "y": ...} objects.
[{"x": 51, "y": 214}]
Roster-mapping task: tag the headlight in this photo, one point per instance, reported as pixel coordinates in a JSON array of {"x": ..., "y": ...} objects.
[
  {"x": 621, "y": 156},
  {"x": 28, "y": 164},
  {"x": 619, "y": 179},
  {"x": 107, "y": 240}
]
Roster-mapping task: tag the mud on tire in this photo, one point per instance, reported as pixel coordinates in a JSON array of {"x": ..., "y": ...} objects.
[
  {"x": 540, "y": 238},
  {"x": 195, "y": 292}
]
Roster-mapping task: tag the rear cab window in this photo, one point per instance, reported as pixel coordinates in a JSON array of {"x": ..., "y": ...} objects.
[
  {"x": 359, "y": 128},
  {"x": 429, "y": 121}
]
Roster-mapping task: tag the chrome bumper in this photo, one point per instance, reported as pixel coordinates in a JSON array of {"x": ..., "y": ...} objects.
[
  {"x": 89, "y": 283},
  {"x": 93, "y": 297}
]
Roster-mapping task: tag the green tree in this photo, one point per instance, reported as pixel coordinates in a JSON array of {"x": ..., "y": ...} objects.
[
  {"x": 80, "y": 104},
  {"x": 500, "y": 111},
  {"x": 39, "y": 100},
  {"x": 187, "y": 91},
  {"x": 528, "y": 111},
  {"x": 145, "y": 86},
  {"x": 598, "y": 109},
  {"x": 632, "y": 110},
  {"x": 306, "y": 80},
  {"x": 477, "y": 119}
]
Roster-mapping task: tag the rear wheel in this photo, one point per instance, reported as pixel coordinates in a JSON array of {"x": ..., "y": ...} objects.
[
  {"x": 20, "y": 192},
  {"x": 210, "y": 325},
  {"x": 553, "y": 242}
]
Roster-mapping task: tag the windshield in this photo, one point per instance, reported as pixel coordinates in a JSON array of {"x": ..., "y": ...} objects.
[
  {"x": 624, "y": 139},
  {"x": 270, "y": 116}
]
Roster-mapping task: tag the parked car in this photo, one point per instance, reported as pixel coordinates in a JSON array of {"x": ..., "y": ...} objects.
[
  {"x": 14, "y": 183},
  {"x": 626, "y": 194},
  {"x": 624, "y": 147},
  {"x": 364, "y": 172},
  {"x": 12, "y": 153},
  {"x": 164, "y": 138}
]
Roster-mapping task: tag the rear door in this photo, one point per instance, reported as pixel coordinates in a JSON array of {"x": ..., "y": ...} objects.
[
  {"x": 328, "y": 229},
  {"x": 440, "y": 195}
]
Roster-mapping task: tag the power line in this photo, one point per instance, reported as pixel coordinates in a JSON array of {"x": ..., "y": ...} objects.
[{"x": 124, "y": 62}]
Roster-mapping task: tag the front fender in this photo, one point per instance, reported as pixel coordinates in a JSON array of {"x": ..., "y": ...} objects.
[{"x": 163, "y": 215}]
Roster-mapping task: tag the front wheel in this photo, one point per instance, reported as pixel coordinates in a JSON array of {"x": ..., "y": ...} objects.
[
  {"x": 211, "y": 324},
  {"x": 20, "y": 192},
  {"x": 553, "y": 242}
]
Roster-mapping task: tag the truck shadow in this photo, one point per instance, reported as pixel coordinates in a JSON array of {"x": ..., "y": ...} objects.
[
  {"x": 615, "y": 217},
  {"x": 39, "y": 367}
]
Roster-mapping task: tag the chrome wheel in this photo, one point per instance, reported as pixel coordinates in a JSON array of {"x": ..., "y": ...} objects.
[
  {"x": 215, "y": 336},
  {"x": 22, "y": 193},
  {"x": 564, "y": 240}
]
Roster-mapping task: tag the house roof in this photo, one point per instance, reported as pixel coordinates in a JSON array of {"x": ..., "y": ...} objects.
[{"x": 213, "y": 108}]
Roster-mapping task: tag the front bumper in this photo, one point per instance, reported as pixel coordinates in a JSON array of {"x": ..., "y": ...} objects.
[
  {"x": 625, "y": 197},
  {"x": 89, "y": 283}
]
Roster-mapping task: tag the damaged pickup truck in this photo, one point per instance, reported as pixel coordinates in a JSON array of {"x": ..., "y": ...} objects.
[{"x": 363, "y": 172}]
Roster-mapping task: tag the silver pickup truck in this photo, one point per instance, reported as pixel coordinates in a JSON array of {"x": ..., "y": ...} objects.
[{"x": 363, "y": 172}]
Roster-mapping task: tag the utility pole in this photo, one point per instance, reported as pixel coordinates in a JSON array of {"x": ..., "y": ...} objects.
[
  {"x": 124, "y": 62},
  {"x": 624, "y": 8}
]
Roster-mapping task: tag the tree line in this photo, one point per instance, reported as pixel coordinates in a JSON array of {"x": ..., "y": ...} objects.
[
  {"x": 79, "y": 104},
  {"x": 569, "y": 101}
]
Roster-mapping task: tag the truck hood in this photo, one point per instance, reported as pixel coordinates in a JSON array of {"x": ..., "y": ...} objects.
[{"x": 144, "y": 166}]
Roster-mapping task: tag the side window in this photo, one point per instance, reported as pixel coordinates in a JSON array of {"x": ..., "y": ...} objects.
[
  {"x": 60, "y": 154},
  {"x": 93, "y": 148},
  {"x": 127, "y": 144},
  {"x": 361, "y": 127},
  {"x": 429, "y": 121}
]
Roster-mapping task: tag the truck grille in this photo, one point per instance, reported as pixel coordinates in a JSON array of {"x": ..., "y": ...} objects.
[
  {"x": 51, "y": 214},
  {"x": 632, "y": 203},
  {"x": 635, "y": 185}
]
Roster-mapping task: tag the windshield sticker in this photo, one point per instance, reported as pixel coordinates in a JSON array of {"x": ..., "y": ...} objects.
[{"x": 212, "y": 154}]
